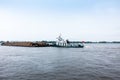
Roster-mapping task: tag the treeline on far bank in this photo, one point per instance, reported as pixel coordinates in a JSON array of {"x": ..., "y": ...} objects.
[
  {"x": 55, "y": 42},
  {"x": 87, "y": 41},
  {"x": 70, "y": 41}
]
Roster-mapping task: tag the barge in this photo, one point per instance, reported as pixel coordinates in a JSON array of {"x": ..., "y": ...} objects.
[
  {"x": 67, "y": 44},
  {"x": 59, "y": 43},
  {"x": 25, "y": 44}
]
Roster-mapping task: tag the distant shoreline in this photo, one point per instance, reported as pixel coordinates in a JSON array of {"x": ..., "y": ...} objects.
[
  {"x": 47, "y": 43},
  {"x": 70, "y": 41}
]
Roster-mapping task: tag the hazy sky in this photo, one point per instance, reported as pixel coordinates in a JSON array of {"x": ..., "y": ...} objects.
[{"x": 94, "y": 20}]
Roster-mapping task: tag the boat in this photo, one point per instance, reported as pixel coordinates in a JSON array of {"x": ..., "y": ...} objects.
[{"x": 66, "y": 43}]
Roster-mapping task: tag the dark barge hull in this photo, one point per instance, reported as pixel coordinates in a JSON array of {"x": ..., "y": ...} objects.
[{"x": 68, "y": 46}]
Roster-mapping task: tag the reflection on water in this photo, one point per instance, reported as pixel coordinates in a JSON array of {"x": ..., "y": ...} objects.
[{"x": 94, "y": 62}]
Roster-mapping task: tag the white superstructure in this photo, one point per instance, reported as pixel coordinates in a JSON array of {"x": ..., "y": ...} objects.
[
  {"x": 61, "y": 42},
  {"x": 65, "y": 43}
]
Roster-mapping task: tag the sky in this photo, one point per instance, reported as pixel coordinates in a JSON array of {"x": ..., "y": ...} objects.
[{"x": 78, "y": 20}]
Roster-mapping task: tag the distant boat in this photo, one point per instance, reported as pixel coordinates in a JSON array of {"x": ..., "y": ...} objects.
[{"x": 66, "y": 43}]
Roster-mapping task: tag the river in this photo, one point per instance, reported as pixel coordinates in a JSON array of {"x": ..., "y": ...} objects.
[{"x": 94, "y": 62}]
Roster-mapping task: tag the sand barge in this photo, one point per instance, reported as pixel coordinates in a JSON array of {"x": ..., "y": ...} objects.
[{"x": 25, "y": 44}]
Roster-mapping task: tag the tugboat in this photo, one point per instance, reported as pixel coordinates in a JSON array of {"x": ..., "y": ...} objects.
[{"x": 67, "y": 44}]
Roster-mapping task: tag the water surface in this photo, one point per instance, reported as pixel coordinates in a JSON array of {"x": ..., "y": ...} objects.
[{"x": 94, "y": 62}]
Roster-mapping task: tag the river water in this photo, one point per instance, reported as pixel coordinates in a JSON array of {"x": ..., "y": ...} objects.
[{"x": 94, "y": 62}]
